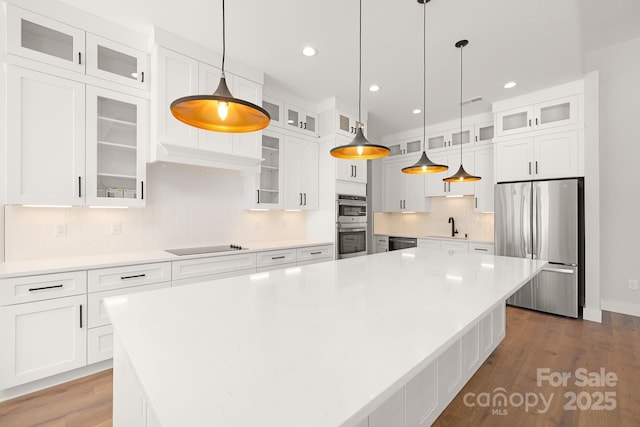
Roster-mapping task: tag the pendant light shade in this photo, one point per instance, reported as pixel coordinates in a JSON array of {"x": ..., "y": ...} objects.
[
  {"x": 360, "y": 148},
  {"x": 220, "y": 112},
  {"x": 424, "y": 164},
  {"x": 462, "y": 175}
]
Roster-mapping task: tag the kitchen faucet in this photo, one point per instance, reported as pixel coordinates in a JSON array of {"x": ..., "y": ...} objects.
[{"x": 453, "y": 226}]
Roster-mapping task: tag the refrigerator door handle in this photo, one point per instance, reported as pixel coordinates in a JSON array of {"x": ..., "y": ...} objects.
[{"x": 558, "y": 270}]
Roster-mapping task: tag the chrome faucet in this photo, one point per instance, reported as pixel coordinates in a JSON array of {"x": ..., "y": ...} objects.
[{"x": 453, "y": 226}]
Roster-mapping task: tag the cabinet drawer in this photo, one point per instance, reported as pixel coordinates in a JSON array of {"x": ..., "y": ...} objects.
[
  {"x": 284, "y": 256},
  {"x": 454, "y": 246},
  {"x": 275, "y": 267},
  {"x": 99, "y": 344},
  {"x": 132, "y": 275},
  {"x": 212, "y": 265},
  {"x": 18, "y": 290},
  {"x": 97, "y": 311},
  {"x": 211, "y": 277},
  {"x": 313, "y": 261},
  {"x": 430, "y": 244},
  {"x": 481, "y": 248},
  {"x": 314, "y": 252}
]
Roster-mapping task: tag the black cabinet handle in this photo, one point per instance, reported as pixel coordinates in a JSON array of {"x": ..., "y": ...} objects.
[
  {"x": 80, "y": 316},
  {"x": 529, "y": 122},
  {"x": 142, "y": 80},
  {"x": 300, "y": 199},
  {"x": 476, "y": 138},
  {"x": 141, "y": 190},
  {"x": 355, "y": 171},
  {"x": 43, "y": 288},
  {"x": 305, "y": 199},
  {"x": 300, "y": 124},
  {"x": 445, "y": 186},
  {"x": 79, "y": 186},
  {"x": 305, "y": 125},
  {"x": 258, "y": 191},
  {"x": 476, "y": 203},
  {"x": 277, "y": 257},
  {"x": 536, "y": 121},
  {"x": 316, "y": 253},
  {"x": 136, "y": 276},
  {"x": 480, "y": 249},
  {"x": 536, "y": 167},
  {"x": 80, "y": 58}
]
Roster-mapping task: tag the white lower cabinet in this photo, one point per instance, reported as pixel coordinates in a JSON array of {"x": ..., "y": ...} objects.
[
  {"x": 390, "y": 413},
  {"x": 421, "y": 396},
  {"x": 99, "y": 344},
  {"x": 381, "y": 243},
  {"x": 201, "y": 267},
  {"x": 449, "y": 245},
  {"x": 481, "y": 248},
  {"x": 42, "y": 338},
  {"x": 429, "y": 243},
  {"x": 276, "y": 258},
  {"x": 314, "y": 254}
]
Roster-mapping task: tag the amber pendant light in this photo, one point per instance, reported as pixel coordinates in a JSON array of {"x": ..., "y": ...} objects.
[
  {"x": 462, "y": 175},
  {"x": 424, "y": 164},
  {"x": 220, "y": 112},
  {"x": 360, "y": 148}
]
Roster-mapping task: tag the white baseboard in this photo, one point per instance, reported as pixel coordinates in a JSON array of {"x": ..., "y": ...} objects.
[
  {"x": 622, "y": 307},
  {"x": 592, "y": 314},
  {"x": 51, "y": 381}
]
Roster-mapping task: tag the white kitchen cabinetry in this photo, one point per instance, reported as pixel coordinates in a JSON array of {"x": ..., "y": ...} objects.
[
  {"x": 276, "y": 258},
  {"x": 434, "y": 186},
  {"x": 483, "y": 189},
  {"x": 539, "y": 157},
  {"x": 300, "y": 174},
  {"x": 405, "y": 147},
  {"x": 390, "y": 413},
  {"x": 450, "y": 245},
  {"x": 449, "y": 139},
  {"x": 45, "y": 40},
  {"x": 544, "y": 115},
  {"x": 46, "y": 335},
  {"x": 275, "y": 109},
  {"x": 314, "y": 254},
  {"x": 46, "y": 128},
  {"x": 178, "y": 76},
  {"x": 347, "y": 124},
  {"x": 265, "y": 190},
  {"x": 484, "y": 133},
  {"x": 300, "y": 120},
  {"x": 403, "y": 192},
  {"x": 481, "y": 248},
  {"x": 381, "y": 243},
  {"x": 351, "y": 170},
  {"x": 429, "y": 243},
  {"x": 117, "y": 138}
]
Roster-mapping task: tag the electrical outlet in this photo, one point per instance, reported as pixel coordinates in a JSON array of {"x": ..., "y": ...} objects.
[
  {"x": 60, "y": 230},
  {"x": 633, "y": 284},
  {"x": 116, "y": 228}
]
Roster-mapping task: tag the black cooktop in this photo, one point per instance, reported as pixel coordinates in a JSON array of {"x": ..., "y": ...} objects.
[{"x": 204, "y": 250}]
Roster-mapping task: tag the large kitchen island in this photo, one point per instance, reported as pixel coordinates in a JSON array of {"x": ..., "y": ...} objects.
[{"x": 380, "y": 340}]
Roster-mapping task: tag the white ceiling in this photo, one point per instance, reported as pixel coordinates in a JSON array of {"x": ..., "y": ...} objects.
[{"x": 535, "y": 43}]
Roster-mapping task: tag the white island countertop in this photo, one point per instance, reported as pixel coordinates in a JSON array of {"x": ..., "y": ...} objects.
[{"x": 318, "y": 345}]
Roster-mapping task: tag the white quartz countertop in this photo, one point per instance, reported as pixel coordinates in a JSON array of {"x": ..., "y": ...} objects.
[
  {"x": 54, "y": 265},
  {"x": 318, "y": 345},
  {"x": 453, "y": 239}
]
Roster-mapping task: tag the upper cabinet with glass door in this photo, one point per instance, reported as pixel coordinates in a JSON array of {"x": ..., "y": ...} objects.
[
  {"x": 558, "y": 112},
  {"x": 116, "y": 139},
  {"x": 300, "y": 120},
  {"x": 445, "y": 140},
  {"x": 42, "y": 39},
  {"x": 404, "y": 147}
]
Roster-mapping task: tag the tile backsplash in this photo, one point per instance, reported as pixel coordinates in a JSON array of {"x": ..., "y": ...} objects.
[
  {"x": 186, "y": 206},
  {"x": 478, "y": 226}
]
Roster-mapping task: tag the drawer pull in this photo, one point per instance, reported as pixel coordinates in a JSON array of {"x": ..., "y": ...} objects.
[
  {"x": 481, "y": 249},
  {"x": 80, "y": 316},
  {"x": 277, "y": 257},
  {"x": 44, "y": 288},
  {"x": 316, "y": 253},
  {"x": 133, "y": 277}
]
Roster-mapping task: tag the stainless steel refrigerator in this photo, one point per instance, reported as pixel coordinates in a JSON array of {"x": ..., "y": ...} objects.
[{"x": 544, "y": 220}]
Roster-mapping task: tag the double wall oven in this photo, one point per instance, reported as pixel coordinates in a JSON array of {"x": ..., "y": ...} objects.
[{"x": 351, "y": 225}]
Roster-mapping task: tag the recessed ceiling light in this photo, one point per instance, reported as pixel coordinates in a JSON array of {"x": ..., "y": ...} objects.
[
  {"x": 308, "y": 51},
  {"x": 374, "y": 88},
  {"x": 417, "y": 111},
  {"x": 510, "y": 85}
]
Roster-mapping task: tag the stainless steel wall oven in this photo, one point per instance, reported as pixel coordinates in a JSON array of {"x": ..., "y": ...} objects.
[{"x": 351, "y": 225}]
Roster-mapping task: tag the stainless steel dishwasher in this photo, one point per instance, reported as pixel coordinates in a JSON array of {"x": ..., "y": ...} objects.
[{"x": 396, "y": 243}]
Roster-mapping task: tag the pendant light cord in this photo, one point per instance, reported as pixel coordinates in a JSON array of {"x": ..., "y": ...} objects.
[
  {"x": 224, "y": 42},
  {"x": 461, "y": 47},
  {"x": 360, "y": 70},
  {"x": 424, "y": 75}
]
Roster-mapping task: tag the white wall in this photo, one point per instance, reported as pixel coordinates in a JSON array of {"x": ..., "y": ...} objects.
[
  {"x": 619, "y": 71},
  {"x": 186, "y": 206}
]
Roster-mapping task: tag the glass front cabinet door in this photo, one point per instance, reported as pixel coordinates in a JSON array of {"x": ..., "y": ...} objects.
[{"x": 116, "y": 135}]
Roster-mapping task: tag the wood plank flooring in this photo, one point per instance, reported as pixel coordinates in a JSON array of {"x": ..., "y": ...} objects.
[{"x": 533, "y": 341}]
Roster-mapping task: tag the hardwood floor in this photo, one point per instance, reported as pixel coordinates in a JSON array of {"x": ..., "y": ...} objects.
[{"x": 534, "y": 341}]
